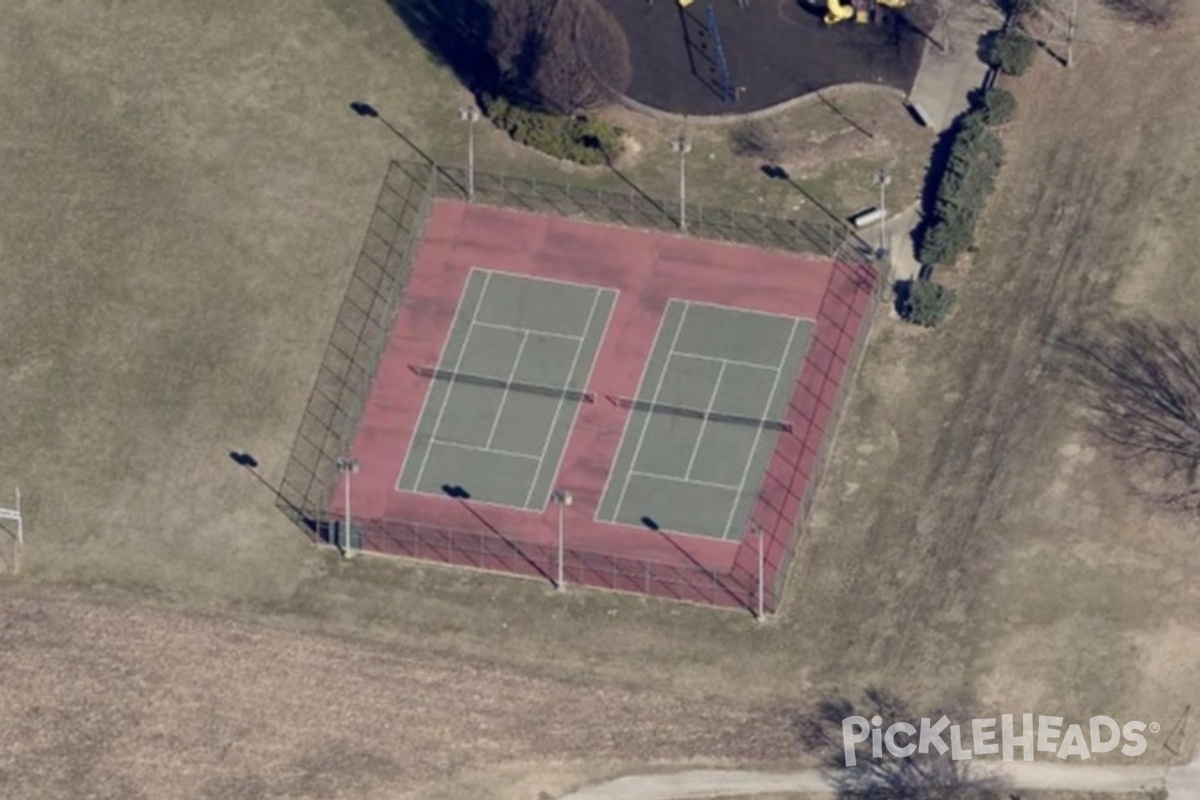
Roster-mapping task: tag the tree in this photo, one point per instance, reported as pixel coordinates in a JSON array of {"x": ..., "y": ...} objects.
[
  {"x": 1142, "y": 382},
  {"x": 1154, "y": 13},
  {"x": 996, "y": 106},
  {"x": 1010, "y": 51},
  {"x": 927, "y": 776},
  {"x": 560, "y": 56},
  {"x": 928, "y": 303}
]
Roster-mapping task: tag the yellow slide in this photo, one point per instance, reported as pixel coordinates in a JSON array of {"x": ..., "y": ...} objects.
[
  {"x": 860, "y": 10},
  {"x": 838, "y": 12}
]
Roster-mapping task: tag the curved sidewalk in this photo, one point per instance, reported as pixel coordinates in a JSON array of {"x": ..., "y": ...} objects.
[{"x": 1182, "y": 783}]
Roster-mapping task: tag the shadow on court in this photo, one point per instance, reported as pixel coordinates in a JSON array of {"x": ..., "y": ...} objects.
[
  {"x": 737, "y": 597},
  {"x": 460, "y": 494}
]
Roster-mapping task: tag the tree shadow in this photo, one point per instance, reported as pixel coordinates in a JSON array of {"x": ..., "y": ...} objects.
[
  {"x": 823, "y": 729},
  {"x": 456, "y": 34}
]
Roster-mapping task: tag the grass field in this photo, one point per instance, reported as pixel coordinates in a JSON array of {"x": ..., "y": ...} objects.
[{"x": 187, "y": 193}]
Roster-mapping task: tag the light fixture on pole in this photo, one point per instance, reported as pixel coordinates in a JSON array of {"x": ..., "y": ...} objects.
[
  {"x": 346, "y": 466},
  {"x": 682, "y": 145},
  {"x": 562, "y": 499},
  {"x": 470, "y": 115},
  {"x": 882, "y": 178},
  {"x": 761, "y": 535}
]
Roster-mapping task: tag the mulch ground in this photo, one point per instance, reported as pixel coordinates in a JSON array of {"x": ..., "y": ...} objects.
[{"x": 775, "y": 50}]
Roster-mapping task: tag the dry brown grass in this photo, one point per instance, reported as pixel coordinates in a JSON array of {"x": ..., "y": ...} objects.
[{"x": 188, "y": 192}]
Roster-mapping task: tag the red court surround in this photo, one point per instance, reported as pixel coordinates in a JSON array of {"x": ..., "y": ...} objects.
[{"x": 647, "y": 269}]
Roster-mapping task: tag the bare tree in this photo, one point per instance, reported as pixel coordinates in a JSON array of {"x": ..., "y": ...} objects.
[
  {"x": 1154, "y": 13},
  {"x": 928, "y": 776},
  {"x": 1142, "y": 380},
  {"x": 560, "y": 55}
]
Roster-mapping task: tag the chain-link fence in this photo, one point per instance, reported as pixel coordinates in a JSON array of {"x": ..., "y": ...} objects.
[
  {"x": 352, "y": 355},
  {"x": 377, "y": 290},
  {"x": 812, "y": 231}
]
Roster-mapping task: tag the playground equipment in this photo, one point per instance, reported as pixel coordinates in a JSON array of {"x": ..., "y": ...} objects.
[
  {"x": 728, "y": 93},
  {"x": 860, "y": 10}
]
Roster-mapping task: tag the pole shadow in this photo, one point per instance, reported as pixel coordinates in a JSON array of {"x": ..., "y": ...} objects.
[
  {"x": 460, "y": 494},
  {"x": 368, "y": 111},
  {"x": 743, "y": 601},
  {"x": 638, "y": 190},
  {"x": 250, "y": 464},
  {"x": 844, "y": 116}
]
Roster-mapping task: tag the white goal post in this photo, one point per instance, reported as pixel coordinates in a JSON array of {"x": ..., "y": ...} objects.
[{"x": 14, "y": 515}]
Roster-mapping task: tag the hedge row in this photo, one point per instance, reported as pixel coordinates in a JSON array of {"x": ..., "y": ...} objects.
[
  {"x": 580, "y": 139},
  {"x": 976, "y": 155}
]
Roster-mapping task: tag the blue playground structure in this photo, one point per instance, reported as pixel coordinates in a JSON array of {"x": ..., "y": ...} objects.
[{"x": 727, "y": 91}]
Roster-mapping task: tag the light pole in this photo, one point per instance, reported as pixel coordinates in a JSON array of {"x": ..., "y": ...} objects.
[
  {"x": 682, "y": 145},
  {"x": 883, "y": 178},
  {"x": 760, "y": 534},
  {"x": 563, "y": 499},
  {"x": 469, "y": 115},
  {"x": 14, "y": 514},
  {"x": 347, "y": 466}
]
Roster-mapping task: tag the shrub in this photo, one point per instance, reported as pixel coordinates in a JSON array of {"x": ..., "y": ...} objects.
[
  {"x": 1012, "y": 52},
  {"x": 928, "y": 303},
  {"x": 581, "y": 139},
  {"x": 1019, "y": 8},
  {"x": 754, "y": 140},
  {"x": 996, "y": 106}
]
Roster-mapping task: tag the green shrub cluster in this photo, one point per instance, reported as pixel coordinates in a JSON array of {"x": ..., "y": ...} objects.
[
  {"x": 996, "y": 106},
  {"x": 976, "y": 155},
  {"x": 1012, "y": 51},
  {"x": 580, "y": 139},
  {"x": 928, "y": 303}
]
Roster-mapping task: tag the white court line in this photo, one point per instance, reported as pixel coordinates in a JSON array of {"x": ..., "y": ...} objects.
[
  {"x": 712, "y": 401},
  {"x": 561, "y": 398},
  {"x": 719, "y": 360},
  {"x": 662, "y": 378},
  {"x": 758, "y": 433},
  {"x": 437, "y": 423},
  {"x": 540, "y": 279},
  {"x": 515, "y": 329},
  {"x": 615, "y": 294},
  {"x": 478, "y": 449},
  {"x": 788, "y": 317},
  {"x": 507, "y": 390},
  {"x": 441, "y": 355},
  {"x": 674, "y": 479},
  {"x": 662, "y": 320}
]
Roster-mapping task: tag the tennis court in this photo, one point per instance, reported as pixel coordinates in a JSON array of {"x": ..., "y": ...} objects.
[
  {"x": 710, "y": 407},
  {"x": 507, "y": 388}
]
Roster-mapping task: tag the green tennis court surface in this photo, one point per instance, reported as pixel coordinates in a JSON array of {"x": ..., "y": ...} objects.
[
  {"x": 706, "y": 419},
  {"x": 505, "y": 392}
]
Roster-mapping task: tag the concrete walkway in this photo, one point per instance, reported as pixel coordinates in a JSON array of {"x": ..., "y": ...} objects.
[
  {"x": 951, "y": 69},
  {"x": 1182, "y": 783}
]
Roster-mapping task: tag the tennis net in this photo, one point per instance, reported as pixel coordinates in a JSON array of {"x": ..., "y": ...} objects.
[
  {"x": 525, "y": 387},
  {"x": 700, "y": 414}
]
